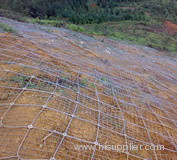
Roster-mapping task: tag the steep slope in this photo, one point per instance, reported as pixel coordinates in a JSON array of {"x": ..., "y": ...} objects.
[{"x": 59, "y": 89}]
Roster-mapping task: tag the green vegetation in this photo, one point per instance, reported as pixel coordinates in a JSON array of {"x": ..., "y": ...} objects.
[
  {"x": 61, "y": 92},
  {"x": 75, "y": 28},
  {"x": 12, "y": 14},
  {"x": 92, "y": 85},
  {"x": 22, "y": 80},
  {"x": 83, "y": 82},
  {"x": 142, "y": 33},
  {"x": 94, "y": 11},
  {"x": 54, "y": 23},
  {"x": 135, "y": 21},
  {"x": 6, "y": 28}
]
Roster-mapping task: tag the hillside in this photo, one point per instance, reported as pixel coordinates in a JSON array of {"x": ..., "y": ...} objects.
[
  {"x": 152, "y": 23},
  {"x": 60, "y": 89},
  {"x": 96, "y": 11},
  {"x": 88, "y": 79}
]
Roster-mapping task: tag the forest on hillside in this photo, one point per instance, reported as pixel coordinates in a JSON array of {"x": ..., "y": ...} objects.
[
  {"x": 152, "y": 23},
  {"x": 94, "y": 11}
]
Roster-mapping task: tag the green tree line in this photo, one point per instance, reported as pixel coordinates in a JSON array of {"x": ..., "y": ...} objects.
[{"x": 93, "y": 11}]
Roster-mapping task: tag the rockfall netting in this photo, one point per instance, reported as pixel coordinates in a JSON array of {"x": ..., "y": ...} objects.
[{"x": 59, "y": 89}]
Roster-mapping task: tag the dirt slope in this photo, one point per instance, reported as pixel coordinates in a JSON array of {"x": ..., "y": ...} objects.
[
  {"x": 59, "y": 88},
  {"x": 170, "y": 27}
]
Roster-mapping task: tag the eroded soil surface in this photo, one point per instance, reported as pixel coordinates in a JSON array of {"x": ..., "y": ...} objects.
[
  {"x": 170, "y": 27},
  {"x": 59, "y": 88}
]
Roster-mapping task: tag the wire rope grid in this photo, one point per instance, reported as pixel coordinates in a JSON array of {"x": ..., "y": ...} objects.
[
  {"x": 31, "y": 126},
  {"x": 98, "y": 122},
  {"x": 72, "y": 117},
  {"x": 123, "y": 119},
  {"x": 149, "y": 89},
  {"x": 13, "y": 103},
  {"x": 23, "y": 89}
]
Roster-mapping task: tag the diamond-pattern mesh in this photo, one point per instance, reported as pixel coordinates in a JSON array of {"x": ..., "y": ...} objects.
[{"x": 56, "y": 93}]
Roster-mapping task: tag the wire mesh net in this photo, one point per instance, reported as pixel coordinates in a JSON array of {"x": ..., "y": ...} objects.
[{"x": 56, "y": 92}]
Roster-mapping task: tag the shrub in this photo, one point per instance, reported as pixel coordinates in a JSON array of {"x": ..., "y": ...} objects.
[
  {"x": 75, "y": 27},
  {"x": 7, "y": 28}
]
